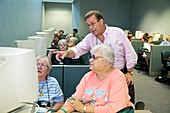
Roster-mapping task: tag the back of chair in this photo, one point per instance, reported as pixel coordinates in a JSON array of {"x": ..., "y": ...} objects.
[
  {"x": 164, "y": 54},
  {"x": 128, "y": 109}
]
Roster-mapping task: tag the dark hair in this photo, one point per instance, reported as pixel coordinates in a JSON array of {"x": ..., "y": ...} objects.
[
  {"x": 149, "y": 37},
  {"x": 145, "y": 36},
  {"x": 61, "y": 31},
  {"x": 97, "y": 14},
  {"x": 75, "y": 30}
]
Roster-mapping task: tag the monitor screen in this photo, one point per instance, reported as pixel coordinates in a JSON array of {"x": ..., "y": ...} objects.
[{"x": 19, "y": 78}]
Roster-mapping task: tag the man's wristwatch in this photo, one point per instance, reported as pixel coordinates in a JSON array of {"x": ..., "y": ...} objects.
[{"x": 130, "y": 72}]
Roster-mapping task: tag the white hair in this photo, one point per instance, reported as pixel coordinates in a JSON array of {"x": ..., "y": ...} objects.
[
  {"x": 106, "y": 52},
  {"x": 48, "y": 61}
]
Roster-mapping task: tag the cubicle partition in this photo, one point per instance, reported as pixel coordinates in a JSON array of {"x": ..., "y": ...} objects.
[
  {"x": 155, "y": 59},
  {"x": 72, "y": 76},
  {"x": 57, "y": 72},
  {"x": 68, "y": 77},
  {"x": 136, "y": 44}
]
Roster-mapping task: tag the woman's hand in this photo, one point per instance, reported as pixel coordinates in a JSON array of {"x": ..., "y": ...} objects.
[{"x": 75, "y": 103}]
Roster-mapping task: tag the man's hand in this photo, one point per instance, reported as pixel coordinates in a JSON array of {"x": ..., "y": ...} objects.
[
  {"x": 129, "y": 78},
  {"x": 60, "y": 55}
]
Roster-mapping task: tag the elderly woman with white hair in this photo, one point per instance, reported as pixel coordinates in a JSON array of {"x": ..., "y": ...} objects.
[
  {"x": 102, "y": 90},
  {"x": 50, "y": 94}
]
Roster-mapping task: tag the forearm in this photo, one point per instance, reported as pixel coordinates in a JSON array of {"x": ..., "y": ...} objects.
[
  {"x": 89, "y": 109},
  {"x": 70, "y": 54},
  {"x": 66, "y": 108},
  {"x": 130, "y": 69},
  {"x": 57, "y": 105}
]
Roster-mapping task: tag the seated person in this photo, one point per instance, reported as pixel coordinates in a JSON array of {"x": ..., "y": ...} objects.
[
  {"x": 49, "y": 94},
  {"x": 68, "y": 37},
  {"x": 75, "y": 34},
  {"x": 59, "y": 34},
  {"x": 166, "y": 42},
  {"x": 130, "y": 36},
  {"x": 54, "y": 44},
  {"x": 144, "y": 37},
  {"x": 147, "y": 47},
  {"x": 148, "y": 43},
  {"x": 72, "y": 42},
  {"x": 63, "y": 46},
  {"x": 102, "y": 90}
]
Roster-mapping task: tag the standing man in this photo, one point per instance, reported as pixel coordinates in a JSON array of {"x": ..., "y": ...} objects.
[{"x": 101, "y": 33}]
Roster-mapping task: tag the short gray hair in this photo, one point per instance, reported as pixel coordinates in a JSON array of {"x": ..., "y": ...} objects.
[
  {"x": 63, "y": 41},
  {"x": 48, "y": 61},
  {"x": 106, "y": 51}
]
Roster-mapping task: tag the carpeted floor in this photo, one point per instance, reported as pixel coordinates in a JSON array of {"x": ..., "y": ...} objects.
[{"x": 155, "y": 95}]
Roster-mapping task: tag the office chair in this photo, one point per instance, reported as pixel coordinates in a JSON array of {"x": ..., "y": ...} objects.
[
  {"x": 165, "y": 60},
  {"x": 128, "y": 109},
  {"x": 141, "y": 62}
]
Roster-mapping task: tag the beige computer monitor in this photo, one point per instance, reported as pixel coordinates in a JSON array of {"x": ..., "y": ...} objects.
[{"x": 19, "y": 78}]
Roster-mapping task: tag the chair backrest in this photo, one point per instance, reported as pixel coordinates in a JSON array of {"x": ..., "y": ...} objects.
[
  {"x": 128, "y": 109},
  {"x": 164, "y": 54}
]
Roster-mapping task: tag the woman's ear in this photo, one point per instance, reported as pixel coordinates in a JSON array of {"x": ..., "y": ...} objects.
[
  {"x": 49, "y": 71},
  {"x": 107, "y": 62}
]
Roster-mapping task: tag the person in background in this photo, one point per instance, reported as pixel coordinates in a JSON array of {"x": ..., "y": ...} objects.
[
  {"x": 166, "y": 42},
  {"x": 63, "y": 46},
  {"x": 101, "y": 33},
  {"x": 75, "y": 34},
  {"x": 59, "y": 34},
  {"x": 68, "y": 37},
  {"x": 103, "y": 89},
  {"x": 130, "y": 36},
  {"x": 54, "y": 45},
  {"x": 144, "y": 37},
  {"x": 72, "y": 42},
  {"x": 148, "y": 43},
  {"x": 49, "y": 94},
  {"x": 147, "y": 48}
]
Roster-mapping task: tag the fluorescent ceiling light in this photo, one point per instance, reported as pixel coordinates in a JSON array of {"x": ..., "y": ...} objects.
[{"x": 59, "y": 1}]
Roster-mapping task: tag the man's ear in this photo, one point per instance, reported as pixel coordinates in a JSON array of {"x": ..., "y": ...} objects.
[{"x": 101, "y": 21}]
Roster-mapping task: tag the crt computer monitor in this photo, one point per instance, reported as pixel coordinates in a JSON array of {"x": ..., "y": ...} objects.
[
  {"x": 27, "y": 44},
  {"x": 19, "y": 78},
  {"x": 40, "y": 45}
]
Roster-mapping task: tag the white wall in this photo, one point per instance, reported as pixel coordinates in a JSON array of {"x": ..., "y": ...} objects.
[
  {"x": 59, "y": 16},
  {"x": 150, "y": 15}
]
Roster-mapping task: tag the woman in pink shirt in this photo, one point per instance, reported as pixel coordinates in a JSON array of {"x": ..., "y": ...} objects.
[{"x": 102, "y": 90}]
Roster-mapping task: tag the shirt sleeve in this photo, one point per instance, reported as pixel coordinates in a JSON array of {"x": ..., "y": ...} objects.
[
  {"x": 83, "y": 47},
  {"x": 56, "y": 92},
  {"x": 130, "y": 54}
]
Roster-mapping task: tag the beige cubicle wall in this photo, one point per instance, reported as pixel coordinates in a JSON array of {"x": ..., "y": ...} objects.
[{"x": 155, "y": 59}]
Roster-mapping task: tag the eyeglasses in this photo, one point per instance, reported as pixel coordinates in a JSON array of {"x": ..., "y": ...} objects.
[
  {"x": 92, "y": 24},
  {"x": 95, "y": 57},
  {"x": 41, "y": 65}
]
